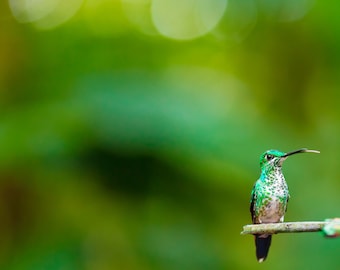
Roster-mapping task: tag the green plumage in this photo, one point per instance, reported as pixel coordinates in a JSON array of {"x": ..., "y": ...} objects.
[{"x": 270, "y": 195}]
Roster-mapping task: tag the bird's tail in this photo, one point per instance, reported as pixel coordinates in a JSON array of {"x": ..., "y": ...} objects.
[{"x": 262, "y": 243}]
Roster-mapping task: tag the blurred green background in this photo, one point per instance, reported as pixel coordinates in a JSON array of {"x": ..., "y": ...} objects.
[{"x": 130, "y": 130}]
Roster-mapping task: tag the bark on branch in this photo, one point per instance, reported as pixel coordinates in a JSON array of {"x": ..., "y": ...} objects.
[{"x": 330, "y": 227}]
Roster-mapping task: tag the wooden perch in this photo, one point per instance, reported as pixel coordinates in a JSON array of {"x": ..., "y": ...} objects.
[{"x": 330, "y": 227}]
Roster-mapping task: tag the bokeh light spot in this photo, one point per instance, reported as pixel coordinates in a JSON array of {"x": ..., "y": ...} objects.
[
  {"x": 295, "y": 10},
  {"x": 64, "y": 11},
  {"x": 31, "y": 10},
  {"x": 186, "y": 19},
  {"x": 45, "y": 14},
  {"x": 286, "y": 10}
]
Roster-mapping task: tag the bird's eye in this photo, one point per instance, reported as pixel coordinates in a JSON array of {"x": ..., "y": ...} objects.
[{"x": 269, "y": 157}]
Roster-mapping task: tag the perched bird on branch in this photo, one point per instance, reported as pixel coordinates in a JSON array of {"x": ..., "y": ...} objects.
[{"x": 270, "y": 195}]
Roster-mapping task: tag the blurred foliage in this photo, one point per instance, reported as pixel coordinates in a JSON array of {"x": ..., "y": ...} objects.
[{"x": 129, "y": 141}]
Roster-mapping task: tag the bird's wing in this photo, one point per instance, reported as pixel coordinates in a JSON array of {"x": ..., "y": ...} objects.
[
  {"x": 287, "y": 203},
  {"x": 252, "y": 204}
]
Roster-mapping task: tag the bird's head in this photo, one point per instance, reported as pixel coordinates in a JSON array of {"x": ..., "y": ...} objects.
[{"x": 274, "y": 158}]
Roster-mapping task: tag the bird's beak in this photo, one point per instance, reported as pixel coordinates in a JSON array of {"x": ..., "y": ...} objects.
[{"x": 303, "y": 150}]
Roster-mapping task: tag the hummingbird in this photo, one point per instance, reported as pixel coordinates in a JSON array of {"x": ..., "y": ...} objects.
[{"x": 270, "y": 195}]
